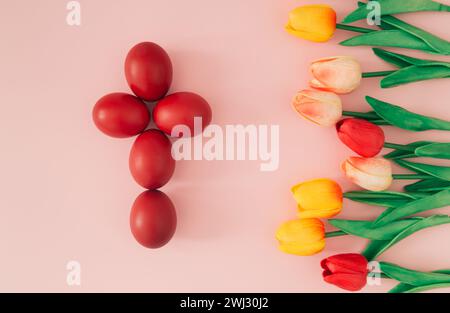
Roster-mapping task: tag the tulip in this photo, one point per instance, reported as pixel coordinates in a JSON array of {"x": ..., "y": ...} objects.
[
  {"x": 340, "y": 74},
  {"x": 373, "y": 174},
  {"x": 321, "y": 107},
  {"x": 315, "y": 22},
  {"x": 319, "y": 198},
  {"x": 301, "y": 237},
  {"x": 363, "y": 137},
  {"x": 347, "y": 271}
]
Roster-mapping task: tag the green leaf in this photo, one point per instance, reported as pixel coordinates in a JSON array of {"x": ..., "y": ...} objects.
[
  {"x": 435, "y": 220},
  {"x": 408, "y": 152},
  {"x": 428, "y": 185},
  {"x": 434, "y": 201},
  {"x": 395, "y": 7},
  {"x": 435, "y": 43},
  {"x": 440, "y": 172},
  {"x": 404, "y": 119},
  {"x": 415, "y": 73},
  {"x": 402, "y": 60},
  {"x": 412, "y": 277},
  {"x": 387, "y": 199},
  {"x": 365, "y": 229},
  {"x": 405, "y": 288},
  {"x": 388, "y": 38},
  {"x": 434, "y": 150}
]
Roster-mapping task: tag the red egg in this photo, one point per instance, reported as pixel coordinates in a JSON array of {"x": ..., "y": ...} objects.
[
  {"x": 153, "y": 219},
  {"x": 148, "y": 71},
  {"x": 180, "y": 109},
  {"x": 151, "y": 162},
  {"x": 120, "y": 115}
]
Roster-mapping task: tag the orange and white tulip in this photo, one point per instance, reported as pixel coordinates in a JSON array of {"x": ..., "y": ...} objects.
[
  {"x": 373, "y": 174},
  {"x": 319, "y": 198},
  {"x": 302, "y": 236},
  {"x": 321, "y": 107},
  {"x": 341, "y": 74},
  {"x": 316, "y": 22}
]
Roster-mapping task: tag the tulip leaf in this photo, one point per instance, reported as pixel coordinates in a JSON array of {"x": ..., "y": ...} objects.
[
  {"x": 408, "y": 152},
  {"x": 428, "y": 185},
  {"x": 395, "y": 7},
  {"x": 406, "y": 288},
  {"x": 397, "y": 116},
  {"x": 434, "y": 150},
  {"x": 434, "y": 201},
  {"x": 366, "y": 230},
  {"x": 440, "y": 172},
  {"x": 435, "y": 43},
  {"x": 402, "y": 60},
  {"x": 388, "y": 199},
  {"x": 388, "y": 38},
  {"x": 415, "y": 73},
  {"x": 375, "y": 248},
  {"x": 412, "y": 277}
]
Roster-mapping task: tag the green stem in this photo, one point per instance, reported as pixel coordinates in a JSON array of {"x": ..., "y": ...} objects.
[
  {"x": 335, "y": 234},
  {"x": 398, "y": 147},
  {"x": 377, "y": 74},
  {"x": 367, "y": 115},
  {"x": 354, "y": 28},
  {"x": 410, "y": 176}
]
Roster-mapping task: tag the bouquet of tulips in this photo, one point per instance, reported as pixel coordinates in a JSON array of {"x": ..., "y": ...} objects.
[{"x": 362, "y": 133}]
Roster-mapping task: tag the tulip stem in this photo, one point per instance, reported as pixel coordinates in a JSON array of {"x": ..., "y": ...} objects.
[
  {"x": 368, "y": 115},
  {"x": 410, "y": 176},
  {"x": 377, "y": 74},
  {"x": 354, "y": 28},
  {"x": 335, "y": 234}
]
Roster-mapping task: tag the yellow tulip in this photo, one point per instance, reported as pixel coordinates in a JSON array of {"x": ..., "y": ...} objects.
[
  {"x": 319, "y": 198},
  {"x": 315, "y": 22},
  {"x": 301, "y": 237}
]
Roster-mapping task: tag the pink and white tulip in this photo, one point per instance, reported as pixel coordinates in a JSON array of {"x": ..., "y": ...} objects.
[
  {"x": 373, "y": 174},
  {"x": 320, "y": 107},
  {"x": 341, "y": 74}
]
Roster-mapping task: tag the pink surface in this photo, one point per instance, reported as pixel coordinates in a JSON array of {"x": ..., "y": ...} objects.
[{"x": 66, "y": 191}]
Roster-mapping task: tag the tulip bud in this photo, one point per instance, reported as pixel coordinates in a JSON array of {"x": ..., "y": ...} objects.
[
  {"x": 320, "y": 198},
  {"x": 320, "y": 107},
  {"x": 361, "y": 136},
  {"x": 340, "y": 74},
  {"x": 316, "y": 22},
  {"x": 301, "y": 237},
  {"x": 373, "y": 174},
  {"x": 347, "y": 271}
]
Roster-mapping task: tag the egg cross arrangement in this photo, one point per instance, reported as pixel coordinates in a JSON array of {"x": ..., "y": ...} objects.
[{"x": 149, "y": 72}]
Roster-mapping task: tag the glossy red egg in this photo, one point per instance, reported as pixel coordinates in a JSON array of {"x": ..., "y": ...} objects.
[
  {"x": 151, "y": 162},
  {"x": 180, "y": 109},
  {"x": 153, "y": 219},
  {"x": 120, "y": 115},
  {"x": 148, "y": 71}
]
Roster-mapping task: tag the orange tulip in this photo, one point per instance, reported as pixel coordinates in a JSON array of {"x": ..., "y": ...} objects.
[
  {"x": 320, "y": 107},
  {"x": 316, "y": 22},
  {"x": 373, "y": 174},
  {"x": 319, "y": 198},
  {"x": 301, "y": 237},
  {"x": 340, "y": 74}
]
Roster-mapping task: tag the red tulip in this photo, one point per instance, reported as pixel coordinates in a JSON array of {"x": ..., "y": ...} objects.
[
  {"x": 361, "y": 136},
  {"x": 347, "y": 271}
]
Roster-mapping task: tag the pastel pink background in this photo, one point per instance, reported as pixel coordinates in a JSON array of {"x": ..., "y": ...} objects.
[{"x": 65, "y": 188}]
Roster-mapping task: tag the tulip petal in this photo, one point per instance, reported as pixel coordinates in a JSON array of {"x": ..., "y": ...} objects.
[
  {"x": 350, "y": 282},
  {"x": 373, "y": 174}
]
